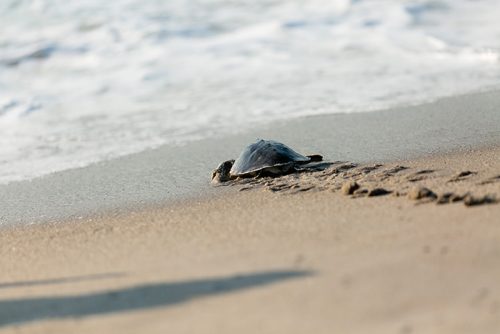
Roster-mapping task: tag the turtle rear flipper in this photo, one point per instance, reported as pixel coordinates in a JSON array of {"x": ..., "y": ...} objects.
[{"x": 315, "y": 157}]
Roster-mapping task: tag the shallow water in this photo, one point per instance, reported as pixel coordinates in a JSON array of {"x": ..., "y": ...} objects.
[{"x": 86, "y": 81}]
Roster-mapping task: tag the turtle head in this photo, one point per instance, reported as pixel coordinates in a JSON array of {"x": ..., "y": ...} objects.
[{"x": 221, "y": 173}]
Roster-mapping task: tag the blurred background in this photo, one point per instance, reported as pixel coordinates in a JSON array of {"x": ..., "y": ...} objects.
[{"x": 89, "y": 80}]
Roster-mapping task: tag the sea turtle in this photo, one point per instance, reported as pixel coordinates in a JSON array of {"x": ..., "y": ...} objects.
[{"x": 264, "y": 157}]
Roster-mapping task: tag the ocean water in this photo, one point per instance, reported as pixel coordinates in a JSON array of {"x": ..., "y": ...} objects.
[{"x": 89, "y": 80}]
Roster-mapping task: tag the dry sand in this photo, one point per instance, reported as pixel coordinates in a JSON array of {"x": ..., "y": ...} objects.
[{"x": 288, "y": 255}]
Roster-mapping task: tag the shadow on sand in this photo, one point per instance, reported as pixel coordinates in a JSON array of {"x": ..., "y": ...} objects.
[
  {"x": 73, "y": 279},
  {"x": 17, "y": 311}
]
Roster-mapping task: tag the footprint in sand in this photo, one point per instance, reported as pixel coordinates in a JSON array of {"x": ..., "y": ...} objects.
[
  {"x": 345, "y": 176},
  {"x": 492, "y": 179},
  {"x": 419, "y": 175},
  {"x": 461, "y": 176}
]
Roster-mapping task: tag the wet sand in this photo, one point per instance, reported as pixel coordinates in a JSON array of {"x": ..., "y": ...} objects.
[{"x": 172, "y": 173}]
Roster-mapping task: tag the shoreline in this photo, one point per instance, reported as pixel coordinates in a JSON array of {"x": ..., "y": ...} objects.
[
  {"x": 170, "y": 173},
  {"x": 437, "y": 161}
]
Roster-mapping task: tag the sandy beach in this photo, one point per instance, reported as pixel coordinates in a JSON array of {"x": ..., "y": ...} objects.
[
  {"x": 269, "y": 261},
  {"x": 296, "y": 254},
  {"x": 281, "y": 167}
]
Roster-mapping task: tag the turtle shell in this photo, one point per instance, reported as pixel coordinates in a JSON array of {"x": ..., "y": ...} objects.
[{"x": 265, "y": 154}]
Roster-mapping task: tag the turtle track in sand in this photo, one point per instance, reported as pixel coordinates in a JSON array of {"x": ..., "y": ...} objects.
[{"x": 439, "y": 186}]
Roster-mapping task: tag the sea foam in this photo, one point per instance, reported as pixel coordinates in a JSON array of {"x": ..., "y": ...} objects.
[{"x": 82, "y": 82}]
